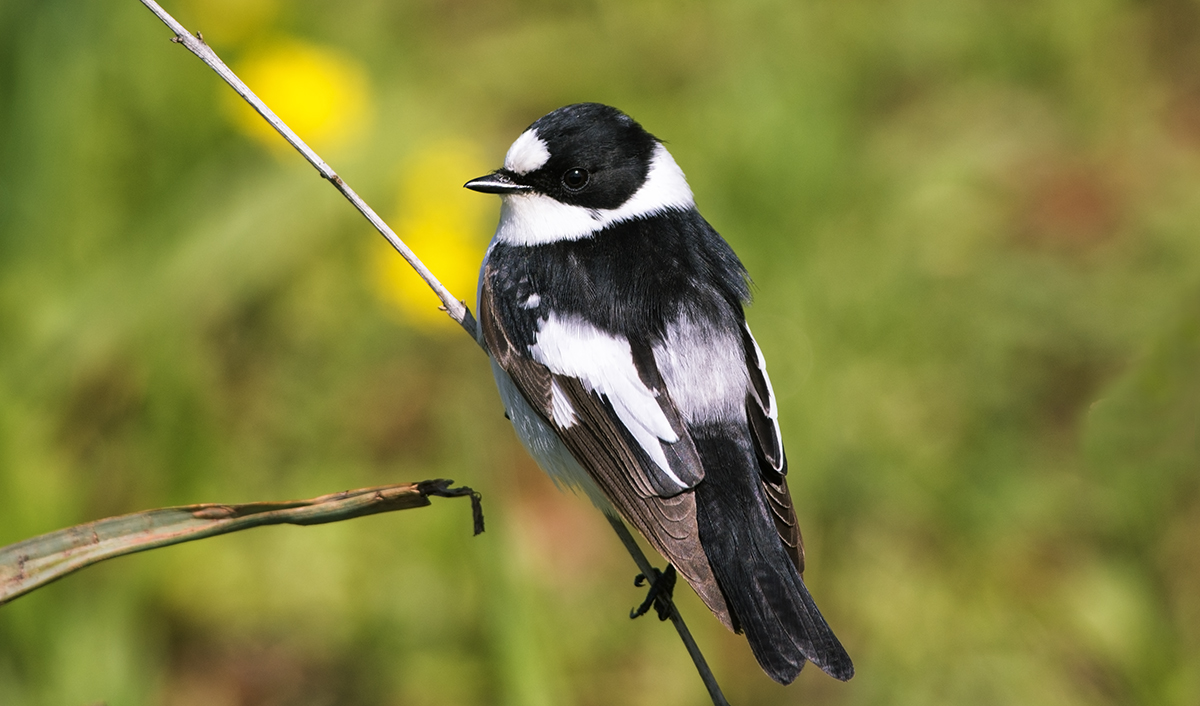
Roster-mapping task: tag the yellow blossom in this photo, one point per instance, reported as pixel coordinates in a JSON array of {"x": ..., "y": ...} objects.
[
  {"x": 446, "y": 225},
  {"x": 320, "y": 93}
]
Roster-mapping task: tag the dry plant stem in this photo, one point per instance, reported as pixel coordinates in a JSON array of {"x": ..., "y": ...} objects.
[
  {"x": 647, "y": 569},
  {"x": 195, "y": 44},
  {"x": 454, "y": 307},
  {"x": 35, "y": 562}
]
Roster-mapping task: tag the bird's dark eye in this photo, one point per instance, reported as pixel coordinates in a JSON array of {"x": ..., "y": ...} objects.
[{"x": 575, "y": 179}]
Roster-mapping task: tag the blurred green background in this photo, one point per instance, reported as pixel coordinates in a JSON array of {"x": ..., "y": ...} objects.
[{"x": 972, "y": 229}]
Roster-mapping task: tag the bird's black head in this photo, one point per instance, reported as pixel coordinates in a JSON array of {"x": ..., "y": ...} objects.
[{"x": 587, "y": 155}]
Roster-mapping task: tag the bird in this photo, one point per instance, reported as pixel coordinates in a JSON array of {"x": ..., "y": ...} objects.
[{"x": 613, "y": 316}]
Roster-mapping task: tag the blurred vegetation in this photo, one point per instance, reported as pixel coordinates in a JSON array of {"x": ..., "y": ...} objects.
[{"x": 972, "y": 228}]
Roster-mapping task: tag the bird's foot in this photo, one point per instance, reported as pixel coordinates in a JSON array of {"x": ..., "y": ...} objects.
[{"x": 661, "y": 589}]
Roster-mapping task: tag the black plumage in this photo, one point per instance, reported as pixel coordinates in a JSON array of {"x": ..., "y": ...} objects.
[{"x": 629, "y": 279}]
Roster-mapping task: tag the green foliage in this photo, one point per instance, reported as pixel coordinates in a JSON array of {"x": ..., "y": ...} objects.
[{"x": 972, "y": 229}]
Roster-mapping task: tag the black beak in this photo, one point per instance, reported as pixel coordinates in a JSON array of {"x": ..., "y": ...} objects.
[{"x": 498, "y": 182}]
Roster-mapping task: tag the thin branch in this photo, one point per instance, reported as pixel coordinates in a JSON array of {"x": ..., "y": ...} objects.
[
  {"x": 35, "y": 562},
  {"x": 647, "y": 569},
  {"x": 456, "y": 308}
]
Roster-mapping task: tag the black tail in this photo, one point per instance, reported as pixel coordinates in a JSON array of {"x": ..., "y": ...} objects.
[{"x": 766, "y": 596}]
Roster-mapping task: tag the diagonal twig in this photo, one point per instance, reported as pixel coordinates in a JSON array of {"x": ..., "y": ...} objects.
[
  {"x": 195, "y": 44},
  {"x": 35, "y": 562}
]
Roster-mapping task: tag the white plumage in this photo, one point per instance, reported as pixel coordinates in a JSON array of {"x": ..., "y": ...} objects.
[
  {"x": 527, "y": 153},
  {"x": 604, "y": 364},
  {"x": 532, "y": 218}
]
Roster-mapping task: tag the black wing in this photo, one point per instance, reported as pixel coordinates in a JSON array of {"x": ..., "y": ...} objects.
[
  {"x": 617, "y": 463},
  {"x": 768, "y": 445}
]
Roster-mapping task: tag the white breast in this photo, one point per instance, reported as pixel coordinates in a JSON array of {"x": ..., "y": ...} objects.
[{"x": 544, "y": 445}]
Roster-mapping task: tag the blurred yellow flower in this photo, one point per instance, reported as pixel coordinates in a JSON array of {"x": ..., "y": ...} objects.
[
  {"x": 320, "y": 93},
  {"x": 225, "y": 22},
  {"x": 445, "y": 225}
]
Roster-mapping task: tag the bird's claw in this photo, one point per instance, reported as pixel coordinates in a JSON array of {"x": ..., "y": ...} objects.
[{"x": 659, "y": 596}]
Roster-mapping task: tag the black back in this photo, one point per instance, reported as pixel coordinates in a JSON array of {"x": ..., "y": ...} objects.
[{"x": 629, "y": 279}]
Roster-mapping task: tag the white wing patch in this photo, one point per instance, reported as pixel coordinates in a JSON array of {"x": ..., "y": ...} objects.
[
  {"x": 532, "y": 301},
  {"x": 572, "y": 347},
  {"x": 533, "y": 219},
  {"x": 528, "y": 153},
  {"x": 560, "y": 407},
  {"x": 705, "y": 370}
]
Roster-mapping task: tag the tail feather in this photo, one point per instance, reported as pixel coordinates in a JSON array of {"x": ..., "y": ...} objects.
[{"x": 764, "y": 591}]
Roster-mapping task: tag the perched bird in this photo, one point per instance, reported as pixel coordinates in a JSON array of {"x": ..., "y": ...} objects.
[{"x": 612, "y": 312}]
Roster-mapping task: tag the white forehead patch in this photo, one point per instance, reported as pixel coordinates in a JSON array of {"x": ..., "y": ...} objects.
[
  {"x": 528, "y": 152},
  {"x": 532, "y": 218}
]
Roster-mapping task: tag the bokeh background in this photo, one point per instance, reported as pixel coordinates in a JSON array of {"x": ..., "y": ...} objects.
[{"x": 972, "y": 227}]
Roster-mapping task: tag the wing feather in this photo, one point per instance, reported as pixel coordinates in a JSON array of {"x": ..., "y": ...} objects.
[
  {"x": 779, "y": 501},
  {"x": 760, "y": 406},
  {"x": 762, "y": 415},
  {"x": 610, "y": 456}
]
